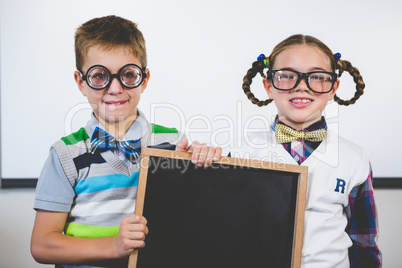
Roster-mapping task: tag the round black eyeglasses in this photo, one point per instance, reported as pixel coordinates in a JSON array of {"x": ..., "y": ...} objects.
[
  {"x": 98, "y": 77},
  {"x": 317, "y": 81}
]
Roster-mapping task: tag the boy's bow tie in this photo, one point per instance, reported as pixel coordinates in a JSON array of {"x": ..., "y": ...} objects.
[
  {"x": 285, "y": 134},
  {"x": 103, "y": 141}
]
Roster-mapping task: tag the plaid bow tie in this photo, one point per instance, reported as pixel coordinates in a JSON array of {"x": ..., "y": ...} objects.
[
  {"x": 285, "y": 134},
  {"x": 103, "y": 141}
]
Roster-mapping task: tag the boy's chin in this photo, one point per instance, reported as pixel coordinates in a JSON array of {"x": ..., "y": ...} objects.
[{"x": 115, "y": 119}]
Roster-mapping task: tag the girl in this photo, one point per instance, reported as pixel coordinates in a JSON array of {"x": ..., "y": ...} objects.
[{"x": 340, "y": 218}]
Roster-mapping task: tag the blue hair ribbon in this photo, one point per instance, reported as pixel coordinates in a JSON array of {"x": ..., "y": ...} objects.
[
  {"x": 337, "y": 56},
  {"x": 263, "y": 59}
]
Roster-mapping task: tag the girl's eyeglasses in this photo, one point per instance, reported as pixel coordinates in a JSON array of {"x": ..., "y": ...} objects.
[
  {"x": 98, "y": 77},
  {"x": 318, "y": 81}
]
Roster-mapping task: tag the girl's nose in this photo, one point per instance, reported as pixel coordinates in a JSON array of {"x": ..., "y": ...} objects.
[{"x": 302, "y": 85}]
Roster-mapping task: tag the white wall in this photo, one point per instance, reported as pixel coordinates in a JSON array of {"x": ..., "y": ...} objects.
[
  {"x": 17, "y": 217},
  {"x": 198, "y": 53}
]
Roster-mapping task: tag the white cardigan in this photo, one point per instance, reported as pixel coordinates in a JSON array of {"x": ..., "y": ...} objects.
[{"x": 334, "y": 168}]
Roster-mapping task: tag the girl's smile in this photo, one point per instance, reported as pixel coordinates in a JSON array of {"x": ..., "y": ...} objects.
[{"x": 300, "y": 102}]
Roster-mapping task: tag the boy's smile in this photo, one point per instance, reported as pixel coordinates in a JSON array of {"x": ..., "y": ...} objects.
[
  {"x": 116, "y": 105},
  {"x": 300, "y": 107}
]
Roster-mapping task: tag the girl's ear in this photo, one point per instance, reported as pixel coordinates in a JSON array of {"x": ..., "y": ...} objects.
[
  {"x": 268, "y": 87},
  {"x": 333, "y": 91},
  {"x": 80, "y": 83}
]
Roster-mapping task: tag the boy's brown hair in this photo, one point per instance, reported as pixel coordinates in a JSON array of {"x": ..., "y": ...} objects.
[{"x": 109, "y": 32}]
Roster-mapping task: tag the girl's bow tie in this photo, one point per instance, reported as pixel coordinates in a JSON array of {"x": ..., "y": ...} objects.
[{"x": 285, "y": 134}]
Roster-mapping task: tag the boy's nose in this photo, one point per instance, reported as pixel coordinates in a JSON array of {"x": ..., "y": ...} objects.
[{"x": 115, "y": 86}]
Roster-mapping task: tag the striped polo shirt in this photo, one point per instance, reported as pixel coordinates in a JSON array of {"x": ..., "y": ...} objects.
[{"x": 105, "y": 184}]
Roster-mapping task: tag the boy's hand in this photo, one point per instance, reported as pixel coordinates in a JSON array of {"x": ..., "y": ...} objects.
[
  {"x": 202, "y": 153},
  {"x": 132, "y": 232}
]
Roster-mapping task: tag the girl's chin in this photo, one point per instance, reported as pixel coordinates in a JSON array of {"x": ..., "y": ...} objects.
[{"x": 300, "y": 122}]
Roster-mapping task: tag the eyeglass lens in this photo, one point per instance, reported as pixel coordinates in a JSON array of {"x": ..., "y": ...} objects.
[
  {"x": 99, "y": 77},
  {"x": 317, "y": 81}
]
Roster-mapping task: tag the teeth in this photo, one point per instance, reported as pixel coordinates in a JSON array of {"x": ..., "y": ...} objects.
[
  {"x": 116, "y": 103},
  {"x": 301, "y": 100}
]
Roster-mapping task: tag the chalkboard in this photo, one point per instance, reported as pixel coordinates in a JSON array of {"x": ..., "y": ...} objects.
[{"x": 235, "y": 213}]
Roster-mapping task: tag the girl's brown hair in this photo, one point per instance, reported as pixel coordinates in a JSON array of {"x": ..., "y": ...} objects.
[{"x": 295, "y": 40}]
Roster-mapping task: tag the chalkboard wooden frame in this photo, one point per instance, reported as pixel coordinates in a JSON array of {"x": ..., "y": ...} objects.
[{"x": 299, "y": 183}]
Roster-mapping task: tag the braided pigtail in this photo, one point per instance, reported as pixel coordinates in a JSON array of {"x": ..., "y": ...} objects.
[
  {"x": 257, "y": 67},
  {"x": 343, "y": 65}
]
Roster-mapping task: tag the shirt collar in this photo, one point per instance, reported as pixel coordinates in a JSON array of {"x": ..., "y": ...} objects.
[
  {"x": 136, "y": 130},
  {"x": 321, "y": 124}
]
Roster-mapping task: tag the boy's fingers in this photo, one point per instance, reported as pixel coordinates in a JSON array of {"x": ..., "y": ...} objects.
[
  {"x": 135, "y": 223},
  {"x": 182, "y": 146},
  {"x": 134, "y": 218},
  {"x": 209, "y": 157},
  {"x": 140, "y": 228},
  {"x": 199, "y": 153},
  {"x": 202, "y": 156},
  {"x": 194, "y": 148},
  {"x": 137, "y": 235},
  {"x": 213, "y": 155},
  {"x": 137, "y": 228},
  {"x": 218, "y": 153}
]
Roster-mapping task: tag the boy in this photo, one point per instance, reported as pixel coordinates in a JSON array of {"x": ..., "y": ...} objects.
[{"x": 87, "y": 189}]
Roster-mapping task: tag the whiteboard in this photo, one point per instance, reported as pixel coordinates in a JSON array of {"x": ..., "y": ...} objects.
[{"x": 198, "y": 53}]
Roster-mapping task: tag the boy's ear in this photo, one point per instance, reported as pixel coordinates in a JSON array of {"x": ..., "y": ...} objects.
[
  {"x": 80, "y": 83},
  {"x": 145, "y": 81},
  {"x": 268, "y": 87}
]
